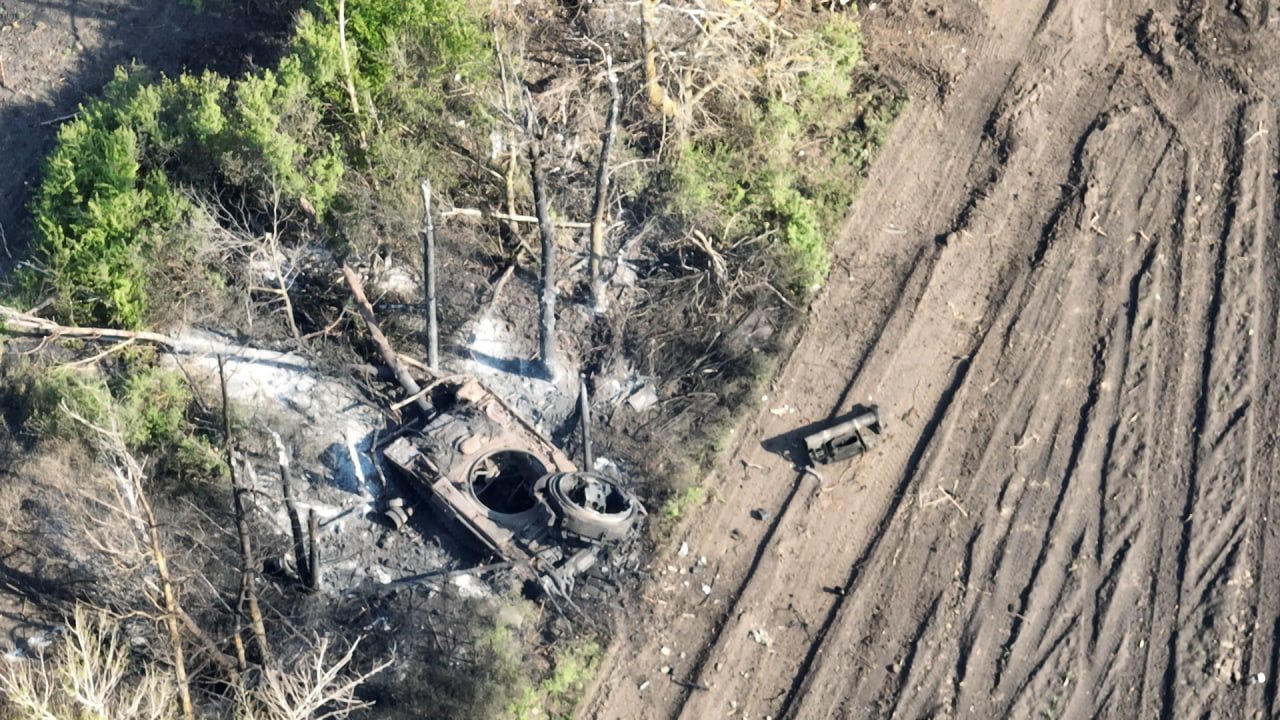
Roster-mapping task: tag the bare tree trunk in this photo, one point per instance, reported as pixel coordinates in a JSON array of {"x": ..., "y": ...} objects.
[
  {"x": 584, "y": 413},
  {"x": 313, "y": 528},
  {"x": 429, "y": 264},
  {"x": 602, "y": 192},
  {"x": 547, "y": 297},
  {"x": 247, "y": 592},
  {"x": 295, "y": 521},
  {"x": 171, "y": 607}
]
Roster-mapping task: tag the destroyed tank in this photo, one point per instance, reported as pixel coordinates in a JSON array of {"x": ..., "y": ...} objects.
[{"x": 503, "y": 485}]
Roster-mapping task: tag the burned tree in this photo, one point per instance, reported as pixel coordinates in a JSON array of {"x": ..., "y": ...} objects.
[{"x": 547, "y": 293}]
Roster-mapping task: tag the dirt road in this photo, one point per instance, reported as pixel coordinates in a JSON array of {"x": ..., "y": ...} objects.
[{"x": 1060, "y": 285}]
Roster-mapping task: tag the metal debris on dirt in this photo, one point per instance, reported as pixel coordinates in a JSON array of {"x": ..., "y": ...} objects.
[{"x": 844, "y": 439}]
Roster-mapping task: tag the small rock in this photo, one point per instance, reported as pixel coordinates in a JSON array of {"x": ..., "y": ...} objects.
[
  {"x": 644, "y": 685},
  {"x": 665, "y": 650},
  {"x": 643, "y": 399},
  {"x": 761, "y": 637},
  {"x": 665, "y": 669},
  {"x": 684, "y": 549},
  {"x": 760, "y": 514},
  {"x": 706, "y": 589}
]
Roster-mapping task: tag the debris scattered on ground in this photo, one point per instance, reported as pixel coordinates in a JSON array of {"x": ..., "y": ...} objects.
[{"x": 643, "y": 399}]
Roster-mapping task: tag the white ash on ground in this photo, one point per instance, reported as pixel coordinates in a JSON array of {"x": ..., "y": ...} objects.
[{"x": 330, "y": 431}]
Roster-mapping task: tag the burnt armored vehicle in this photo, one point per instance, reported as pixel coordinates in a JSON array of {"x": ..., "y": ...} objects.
[{"x": 505, "y": 486}]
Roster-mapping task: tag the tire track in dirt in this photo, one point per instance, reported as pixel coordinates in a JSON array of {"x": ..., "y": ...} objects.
[
  {"x": 1263, "y": 649},
  {"x": 617, "y": 692},
  {"x": 1040, "y": 334},
  {"x": 1069, "y": 514},
  {"x": 908, "y": 297},
  {"x": 1218, "y": 564},
  {"x": 780, "y": 596}
]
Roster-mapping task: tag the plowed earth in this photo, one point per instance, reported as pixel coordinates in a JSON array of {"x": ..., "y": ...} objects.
[{"x": 1060, "y": 286}]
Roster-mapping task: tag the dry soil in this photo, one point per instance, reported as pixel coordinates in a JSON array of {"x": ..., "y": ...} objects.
[{"x": 1060, "y": 286}]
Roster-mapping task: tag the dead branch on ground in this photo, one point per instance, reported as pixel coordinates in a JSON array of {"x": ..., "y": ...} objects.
[
  {"x": 384, "y": 347},
  {"x": 658, "y": 96},
  {"x": 511, "y": 217},
  {"x": 16, "y": 322}
]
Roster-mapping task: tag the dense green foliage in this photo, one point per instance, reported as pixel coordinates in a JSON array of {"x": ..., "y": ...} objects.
[
  {"x": 107, "y": 206},
  {"x": 96, "y": 212},
  {"x": 792, "y": 161},
  {"x": 151, "y": 408}
]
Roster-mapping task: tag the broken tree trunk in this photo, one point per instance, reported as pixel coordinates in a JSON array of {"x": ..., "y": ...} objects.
[
  {"x": 547, "y": 296},
  {"x": 347, "y": 76},
  {"x": 388, "y": 354},
  {"x": 295, "y": 521},
  {"x": 429, "y": 266},
  {"x": 602, "y": 192},
  {"x": 313, "y": 529},
  {"x": 171, "y": 606},
  {"x": 15, "y": 322},
  {"x": 247, "y": 593},
  {"x": 584, "y": 412}
]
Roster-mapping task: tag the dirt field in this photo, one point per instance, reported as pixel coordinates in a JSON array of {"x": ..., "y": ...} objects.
[{"x": 1060, "y": 285}]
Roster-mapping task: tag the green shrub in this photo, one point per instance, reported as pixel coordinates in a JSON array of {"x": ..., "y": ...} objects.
[
  {"x": 450, "y": 30},
  {"x": 95, "y": 211},
  {"x": 106, "y": 201},
  {"x": 682, "y": 501},
  {"x": 793, "y": 160},
  {"x": 276, "y": 143},
  {"x": 558, "y": 695},
  {"x": 51, "y": 396},
  {"x": 106, "y": 208}
]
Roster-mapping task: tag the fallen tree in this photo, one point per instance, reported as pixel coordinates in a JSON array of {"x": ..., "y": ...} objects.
[{"x": 17, "y": 323}]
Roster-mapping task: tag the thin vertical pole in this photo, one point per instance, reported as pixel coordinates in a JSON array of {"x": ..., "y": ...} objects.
[
  {"x": 429, "y": 262},
  {"x": 584, "y": 419},
  {"x": 547, "y": 295}
]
